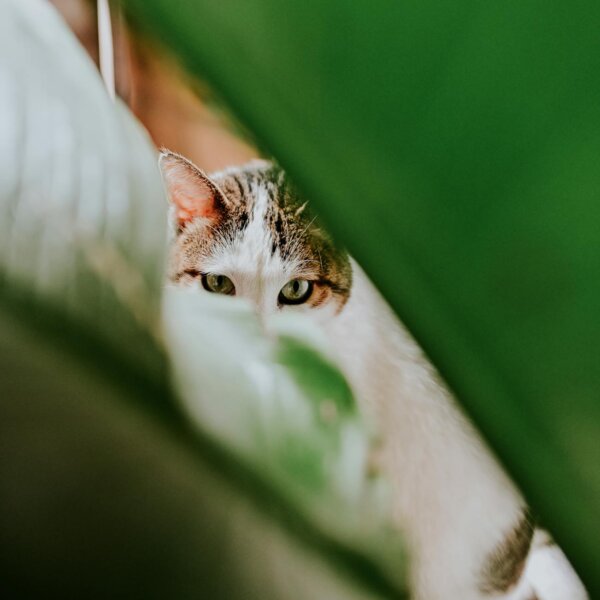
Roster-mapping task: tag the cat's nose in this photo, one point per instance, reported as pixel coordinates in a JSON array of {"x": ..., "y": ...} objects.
[{"x": 264, "y": 315}]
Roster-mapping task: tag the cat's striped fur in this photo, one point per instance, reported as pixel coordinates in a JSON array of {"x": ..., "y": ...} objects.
[{"x": 468, "y": 529}]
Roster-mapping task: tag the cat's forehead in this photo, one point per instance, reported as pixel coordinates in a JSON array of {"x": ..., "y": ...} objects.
[
  {"x": 259, "y": 195},
  {"x": 259, "y": 185}
]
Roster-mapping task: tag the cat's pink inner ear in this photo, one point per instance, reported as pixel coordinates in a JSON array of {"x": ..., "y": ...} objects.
[{"x": 189, "y": 189}]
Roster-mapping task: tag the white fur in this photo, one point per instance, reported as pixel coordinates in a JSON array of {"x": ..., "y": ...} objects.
[{"x": 549, "y": 573}]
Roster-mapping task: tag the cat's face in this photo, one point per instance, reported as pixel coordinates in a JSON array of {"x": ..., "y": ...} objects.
[{"x": 246, "y": 232}]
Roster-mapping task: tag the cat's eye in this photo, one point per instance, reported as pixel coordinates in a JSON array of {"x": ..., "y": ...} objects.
[
  {"x": 218, "y": 284},
  {"x": 295, "y": 291}
]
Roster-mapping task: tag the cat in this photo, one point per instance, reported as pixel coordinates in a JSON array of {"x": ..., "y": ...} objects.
[{"x": 246, "y": 231}]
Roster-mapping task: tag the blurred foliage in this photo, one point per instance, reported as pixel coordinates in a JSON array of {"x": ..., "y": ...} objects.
[
  {"x": 101, "y": 499},
  {"x": 287, "y": 413},
  {"x": 106, "y": 488},
  {"x": 453, "y": 146}
]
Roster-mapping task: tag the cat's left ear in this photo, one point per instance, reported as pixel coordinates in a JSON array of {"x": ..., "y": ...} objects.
[{"x": 190, "y": 190}]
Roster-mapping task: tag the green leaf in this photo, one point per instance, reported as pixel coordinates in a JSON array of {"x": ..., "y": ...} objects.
[
  {"x": 107, "y": 489},
  {"x": 453, "y": 146},
  {"x": 286, "y": 411}
]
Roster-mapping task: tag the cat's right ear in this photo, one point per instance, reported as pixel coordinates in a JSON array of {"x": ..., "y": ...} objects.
[{"x": 190, "y": 190}]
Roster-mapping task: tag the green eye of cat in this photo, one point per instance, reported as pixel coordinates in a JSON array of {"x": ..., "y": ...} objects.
[
  {"x": 295, "y": 291},
  {"x": 218, "y": 284}
]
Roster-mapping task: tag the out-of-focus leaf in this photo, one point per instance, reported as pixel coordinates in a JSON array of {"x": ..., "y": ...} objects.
[
  {"x": 453, "y": 146},
  {"x": 82, "y": 220},
  {"x": 272, "y": 395},
  {"x": 99, "y": 500},
  {"x": 105, "y": 488}
]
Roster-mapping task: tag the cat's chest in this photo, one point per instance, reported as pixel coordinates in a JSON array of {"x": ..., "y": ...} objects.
[
  {"x": 383, "y": 364},
  {"x": 360, "y": 337}
]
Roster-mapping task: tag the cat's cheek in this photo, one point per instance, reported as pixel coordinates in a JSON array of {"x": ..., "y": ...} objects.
[
  {"x": 320, "y": 296},
  {"x": 325, "y": 301},
  {"x": 185, "y": 280},
  {"x": 324, "y": 315},
  {"x": 323, "y": 305}
]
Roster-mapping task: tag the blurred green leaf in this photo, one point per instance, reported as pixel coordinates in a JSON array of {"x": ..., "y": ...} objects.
[
  {"x": 453, "y": 146},
  {"x": 287, "y": 413},
  {"x": 106, "y": 488}
]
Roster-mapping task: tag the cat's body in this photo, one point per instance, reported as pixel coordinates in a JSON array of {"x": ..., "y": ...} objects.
[
  {"x": 467, "y": 527},
  {"x": 246, "y": 232}
]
